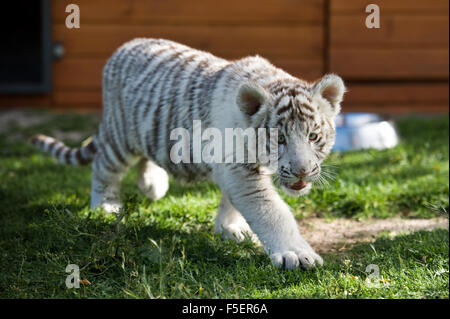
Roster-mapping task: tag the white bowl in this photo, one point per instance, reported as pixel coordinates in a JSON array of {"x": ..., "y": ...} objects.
[{"x": 355, "y": 131}]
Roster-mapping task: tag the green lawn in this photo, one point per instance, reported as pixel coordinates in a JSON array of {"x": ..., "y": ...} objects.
[{"x": 166, "y": 249}]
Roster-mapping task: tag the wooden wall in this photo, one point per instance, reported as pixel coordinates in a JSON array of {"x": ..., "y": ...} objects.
[{"x": 401, "y": 67}]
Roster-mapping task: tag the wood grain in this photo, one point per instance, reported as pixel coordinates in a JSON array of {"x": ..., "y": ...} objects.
[
  {"x": 24, "y": 101},
  {"x": 80, "y": 73},
  {"x": 194, "y": 11},
  {"x": 390, "y": 6},
  {"x": 392, "y": 109},
  {"x": 400, "y": 64},
  {"x": 395, "y": 30},
  {"x": 226, "y": 41},
  {"x": 400, "y": 68},
  {"x": 402, "y": 93}
]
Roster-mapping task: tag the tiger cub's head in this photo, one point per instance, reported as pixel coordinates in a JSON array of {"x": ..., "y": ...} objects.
[{"x": 304, "y": 115}]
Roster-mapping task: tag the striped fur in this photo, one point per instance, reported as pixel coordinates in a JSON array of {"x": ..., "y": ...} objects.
[
  {"x": 152, "y": 86},
  {"x": 65, "y": 155}
]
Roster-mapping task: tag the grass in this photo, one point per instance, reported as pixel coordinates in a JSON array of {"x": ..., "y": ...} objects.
[{"x": 166, "y": 249}]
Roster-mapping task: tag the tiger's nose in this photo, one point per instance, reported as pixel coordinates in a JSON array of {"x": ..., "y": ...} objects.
[
  {"x": 304, "y": 173},
  {"x": 301, "y": 173}
]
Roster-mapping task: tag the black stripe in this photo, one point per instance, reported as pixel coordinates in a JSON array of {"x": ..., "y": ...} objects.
[
  {"x": 50, "y": 146},
  {"x": 304, "y": 115},
  {"x": 156, "y": 119},
  {"x": 105, "y": 157},
  {"x": 278, "y": 100},
  {"x": 59, "y": 150},
  {"x": 190, "y": 97},
  {"x": 67, "y": 156},
  {"x": 281, "y": 122},
  {"x": 153, "y": 74},
  {"x": 285, "y": 108},
  {"x": 80, "y": 158},
  {"x": 151, "y": 84},
  {"x": 162, "y": 88},
  {"x": 254, "y": 192},
  {"x": 108, "y": 165},
  {"x": 174, "y": 108},
  {"x": 119, "y": 156},
  {"x": 308, "y": 107},
  {"x": 148, "y": 145},
  {"x": 91, "y": 147},
  {"x": 120, "y": 123}
]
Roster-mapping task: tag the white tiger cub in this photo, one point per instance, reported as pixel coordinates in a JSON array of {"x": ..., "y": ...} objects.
[{"x": 151, "y": 86}]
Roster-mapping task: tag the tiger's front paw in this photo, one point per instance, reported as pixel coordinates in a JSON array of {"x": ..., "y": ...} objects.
[
  {"x": 108, "y": 205},
  {"x": 291, "y": 259},
  {"x": 237, "y": 232},
  {"x": 111, "y": 206}
]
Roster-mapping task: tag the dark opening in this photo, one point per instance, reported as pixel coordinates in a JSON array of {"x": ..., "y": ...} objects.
[{"x": 25, "y": 54}]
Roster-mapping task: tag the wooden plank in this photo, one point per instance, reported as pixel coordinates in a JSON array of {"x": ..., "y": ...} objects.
[
  {"x": 390, "y": 6},
  {"x": 18, "y": 101},
  {"x": 75, "y": 74},
  {"x": 194, "y": 11},
  {"x": 397, "y": 93},
  {"x": 73, "y": 92},
  {"x": 397, "y": 108},
  {"x": 384, "y": 98},
  {"x": 309, "y": 70},
  {"x": 226, "y": 41},
  {"x": 394, "y": 30},
  {"x": 389, "y": 63},
  {"x": 381, "y": 109},
  {"x": 78, "y": 98},
  {"x": 89, "y": 109},
  {"x": 396, "y": 98},
  {"x": 86, "y": 74}
]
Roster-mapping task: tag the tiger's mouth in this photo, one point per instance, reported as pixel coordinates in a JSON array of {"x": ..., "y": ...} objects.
[{"x": 298, "y": 185}]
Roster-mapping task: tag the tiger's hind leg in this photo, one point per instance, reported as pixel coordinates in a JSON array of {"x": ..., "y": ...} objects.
[
  {"x": 108, "y": 169},
  {"x": 153, "y": 181}
]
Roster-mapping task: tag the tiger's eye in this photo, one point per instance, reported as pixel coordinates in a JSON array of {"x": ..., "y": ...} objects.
[
  {"x": 281, "y": 139},
  {"x": 312, "y": 136}
]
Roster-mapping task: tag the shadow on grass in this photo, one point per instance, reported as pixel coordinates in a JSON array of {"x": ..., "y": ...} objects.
[{"x": 144, "y": 256}]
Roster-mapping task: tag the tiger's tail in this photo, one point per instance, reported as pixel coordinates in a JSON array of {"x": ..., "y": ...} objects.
[{"x": 64, "y": 154}]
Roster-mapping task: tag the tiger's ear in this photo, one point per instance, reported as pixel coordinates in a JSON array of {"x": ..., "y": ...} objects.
[
  {"x": 251, "y": 98},
  {"x": 331, "y": 88}
]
